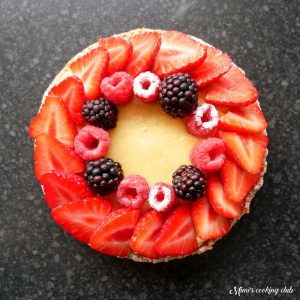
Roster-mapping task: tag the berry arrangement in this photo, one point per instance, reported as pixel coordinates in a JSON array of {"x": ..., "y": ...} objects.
[{"x": 119, "y": 215}]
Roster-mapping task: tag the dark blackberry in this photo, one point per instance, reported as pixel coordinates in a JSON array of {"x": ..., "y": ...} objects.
[
  {"x": 178, "y": 95},
  {"x": 103, "y": 175},
  {"x": 101, "y": 113},
  {"x": 189, "y": 183}
]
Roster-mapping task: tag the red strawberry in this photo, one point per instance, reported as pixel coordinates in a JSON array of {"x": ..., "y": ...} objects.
[
  {"x": 146, "y": 232},
  {"x": 178, "y": 52},
  {"x": 215, "y": 65},
  {"x": 113, "y": 236},
  {"x": 81, "y": 218},
  {"x": 91, "y": 68},
  {"x": 55, "y": 120},
  {"x": 217, "y": 198},
  {"x": 177, "y": 235},
  {"x": 247, "y": 150},
  {"x": 208, "y": 224},
  {"x": 248, "y": 119},
  {"x": 50, "y": 154},
  {"x": 236, "y": 181},
  {"x": 231, "y": 89},
  {"x": 119, "y": 50},
  {"x": 72, "y": 92},
  {"x": 145, "y": 48},
  {"x": 61, "y": 188}
]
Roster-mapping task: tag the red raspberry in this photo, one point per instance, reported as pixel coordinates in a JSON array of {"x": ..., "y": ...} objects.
[
  {"x": 91, "y": 142},
  {"x": 203, "y": 120},
  {"x": 161, "y": 196},
  {"x": 118, "y": 87},
  {"x": 146, "y": 86},
  {"x": 208, "y": 155},
  {"x": 133, "y": 191}
]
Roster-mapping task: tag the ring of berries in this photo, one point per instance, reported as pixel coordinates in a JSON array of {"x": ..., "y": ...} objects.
[{"x": 81, "y": 185}]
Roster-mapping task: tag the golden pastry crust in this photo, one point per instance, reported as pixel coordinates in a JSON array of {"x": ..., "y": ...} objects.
[{"x": 203, "y": 245}]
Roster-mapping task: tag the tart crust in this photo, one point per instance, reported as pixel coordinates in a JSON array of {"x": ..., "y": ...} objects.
[{"x": 203, "y": 245}]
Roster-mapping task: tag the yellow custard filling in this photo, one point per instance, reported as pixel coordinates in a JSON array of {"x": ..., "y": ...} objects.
[{"x": 149, "y": 142}]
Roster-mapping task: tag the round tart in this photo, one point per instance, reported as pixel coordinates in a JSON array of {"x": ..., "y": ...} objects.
[{"x": 149, "y": 145}]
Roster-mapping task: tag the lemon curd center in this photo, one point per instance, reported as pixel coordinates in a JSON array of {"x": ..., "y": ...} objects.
[{"x": 149, "y": 142}]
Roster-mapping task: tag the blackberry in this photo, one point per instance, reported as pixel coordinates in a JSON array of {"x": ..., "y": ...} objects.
[
  {"x": 189, "y": 183},
  {"x": 178, "y": 95},
  {"x": 103, "y": 175},
  {"x": 101, "y": 113}
]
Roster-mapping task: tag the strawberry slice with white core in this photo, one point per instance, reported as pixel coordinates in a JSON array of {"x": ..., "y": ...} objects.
[
  {"x": 247, "y": 150},
  {"x": 178, "y": 52},
  {"x": 249, "y": 119},
  {"x": 119, "y": 50},
  {"x": 145, "y": 48},
  {"x": 161, "y": 197},
  {"x": 219, "y": 201},
  {"x": 81, "y": 218},
  {"x": 177, "y": 235},
  {"x": 91, "y": 68},
  {"x": 61, "y": 187},
  {"x": 231, "y": 89},
  {"x": 91, "y": 143},
  {"x": 236, "y": 181},
  {"x": 71, "y": 90},
  {"x": 215, "y": 65},
  {"x": 113, "y": 236},
  {"x": 146, "y": 232},
  {"x": 208, "y": 224},
  {"x": 50, "y": 154},
  {"x": 54, "y": 120}
]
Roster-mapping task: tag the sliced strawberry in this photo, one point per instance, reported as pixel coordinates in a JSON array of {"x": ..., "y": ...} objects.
[
  {"x": 247, "y": 119},
  {"x": 247, "y": 150},
  {"x": 60, "y": 188},
  {"x": 217, "y": 198},
  {"x": 50, "y": 154},
  {"x": 55, "y": 120},
  {"x": 231, "y": 89},
  {"x": 208, "y": 224},
  {"x": 178, "y": 52},
  {"x": 146, "y": 232},
  {"x": 145, "y": 48},
  {"x": 236, "y": 181},
  {"x": 119, "y": 50},
  {"x": 177, "y": 235},
  {"x": 113, "y": 236},
  {"x": 81, "y": 218},
  {"x": 215, "y": 65},
  {"x": 71, "y": 90},
  {"x": 91, "y": 68}
]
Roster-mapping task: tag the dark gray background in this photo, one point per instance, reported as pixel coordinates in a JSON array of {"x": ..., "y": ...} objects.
[{"x": 39, "y": 261}]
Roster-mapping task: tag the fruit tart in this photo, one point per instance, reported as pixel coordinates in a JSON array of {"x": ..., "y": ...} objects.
[{"x": 149, "y": 145}]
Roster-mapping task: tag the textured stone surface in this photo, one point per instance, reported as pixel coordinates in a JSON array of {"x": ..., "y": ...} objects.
[{"x": 39, "y": 261}]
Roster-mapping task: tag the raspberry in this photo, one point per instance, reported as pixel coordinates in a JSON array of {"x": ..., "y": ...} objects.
[
  {"x": 118, "y": 87},
  {"x": 161, "y": 196},
  {"x": 203, "y": 120},
  {"x": 208, "y": 155},
  {"x": 91, "y": 142},
  {"x": 133, "y": 191},
  {"x": 146, "y": 86}
]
